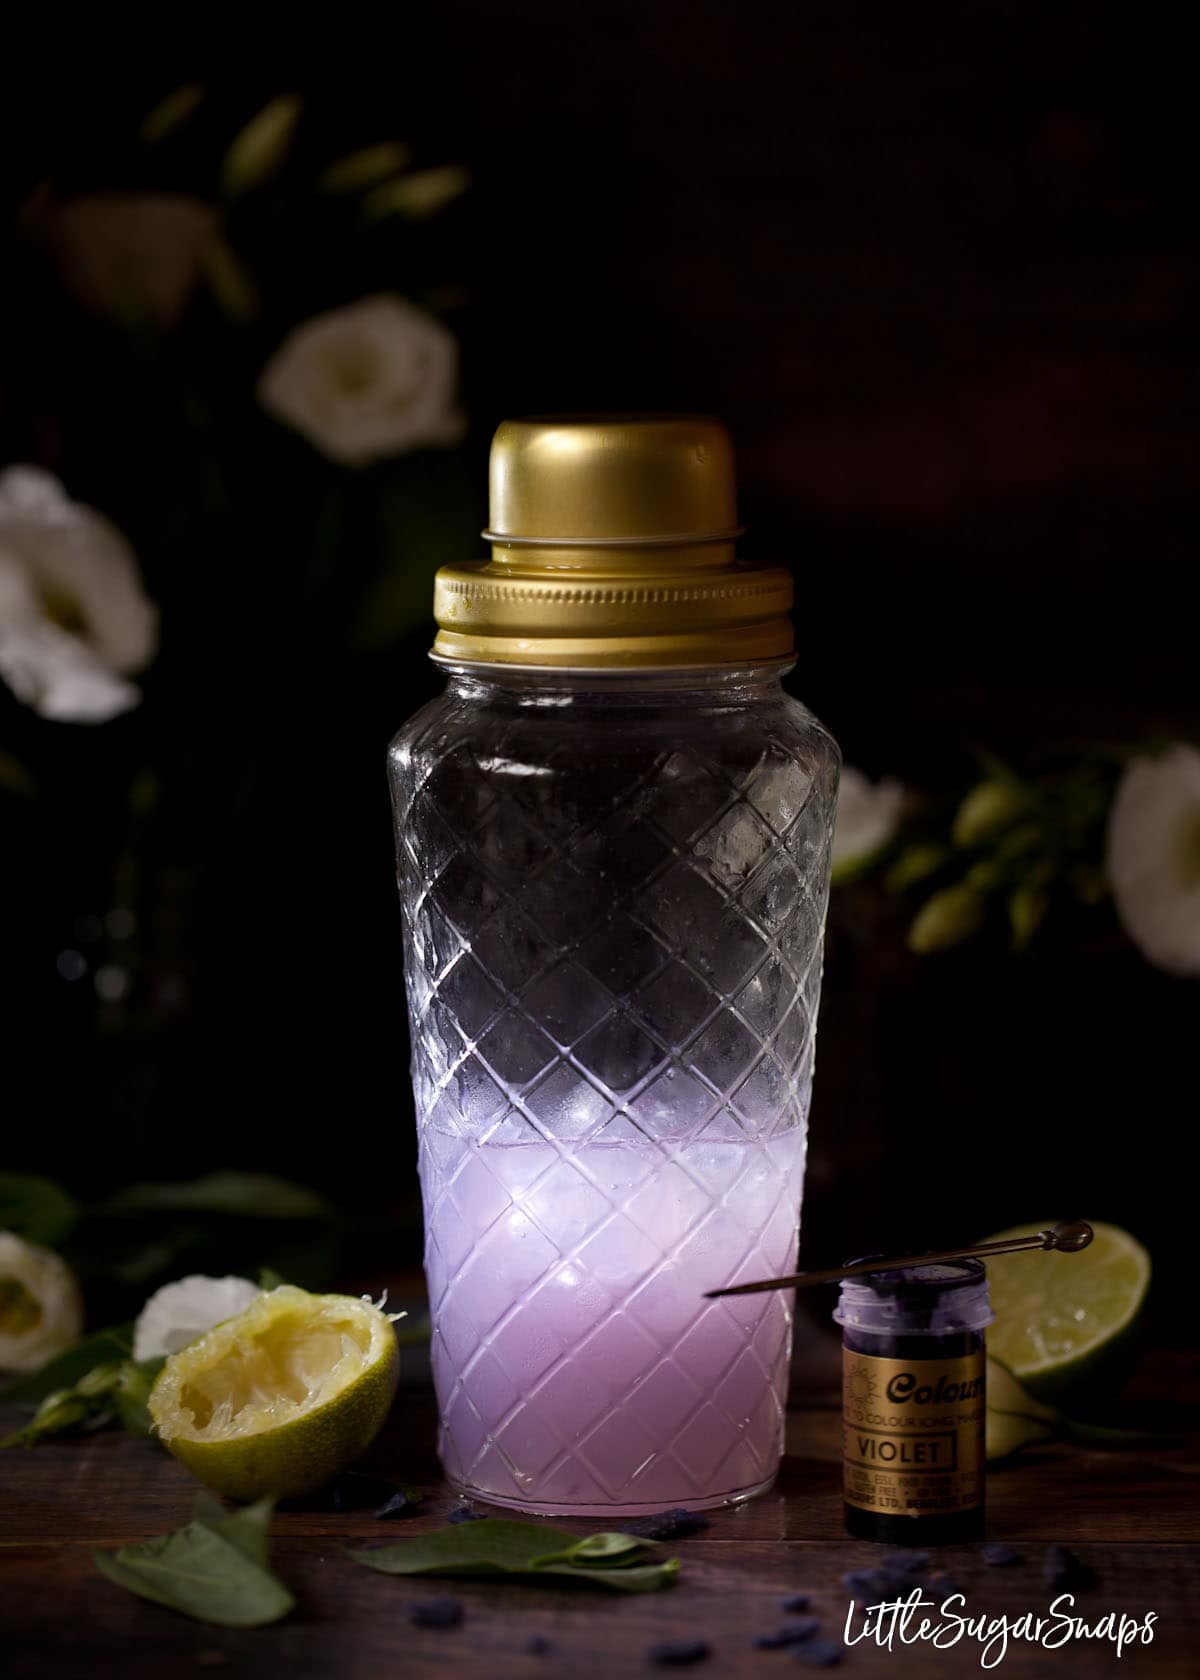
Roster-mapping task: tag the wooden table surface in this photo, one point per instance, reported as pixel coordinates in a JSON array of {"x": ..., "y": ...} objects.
[{"x": 1131, "y": 1516}]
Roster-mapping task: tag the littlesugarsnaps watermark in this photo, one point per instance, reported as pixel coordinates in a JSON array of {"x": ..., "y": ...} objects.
[{"x": 905, "y": 1621}]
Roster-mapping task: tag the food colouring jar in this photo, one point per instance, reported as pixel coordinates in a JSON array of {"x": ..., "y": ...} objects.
[{"x": 913, "y": 1402}]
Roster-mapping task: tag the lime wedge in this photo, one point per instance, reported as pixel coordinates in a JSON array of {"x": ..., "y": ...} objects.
[
  {"x": 280, "y": 1398},
  {"x": 1065, "y": 1323}
]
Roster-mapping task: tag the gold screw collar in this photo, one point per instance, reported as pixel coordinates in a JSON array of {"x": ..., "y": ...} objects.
[{"x": 612, "y": 547}]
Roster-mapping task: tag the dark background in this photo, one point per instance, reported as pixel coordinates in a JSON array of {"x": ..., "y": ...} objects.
[{"x": 937, "y": 271}]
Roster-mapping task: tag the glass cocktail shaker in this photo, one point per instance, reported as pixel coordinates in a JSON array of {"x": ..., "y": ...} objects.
[{"x": 613, "y": 835}]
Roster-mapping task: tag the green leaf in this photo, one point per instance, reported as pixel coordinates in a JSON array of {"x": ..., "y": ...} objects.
[
  {"x": 498, "y": 1546},
  {"x": 208, "y": 1507},
  {"x": 90, "y": 1404},
  {"x": 641, "y": 1578},
  {"x": 36, "y": 1208},
  {"x": 133, "y": 1394},
  {"x": 1007, "y": 1432},
  {"x": 495, "y": 1544},
  {"x": 56, "y": 1414},
  {"x": 71, "y": 1367},
  {"x": 202, "y": 1573},
  {"x": 244, "y": 1195},
  {"x": 603, "y": 1548},
  {"x": 87, "y": 1387},
  {"x": 1015, "y": 1418},
  {"x": 249, "y": 1529},
  {"x": 269, "y": 1278}
]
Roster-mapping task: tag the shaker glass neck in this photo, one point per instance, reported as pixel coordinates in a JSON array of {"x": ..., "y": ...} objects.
[{"x": 721, "y": 685}]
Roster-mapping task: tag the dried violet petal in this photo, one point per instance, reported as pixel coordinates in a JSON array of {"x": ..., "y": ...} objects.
[
  {"x": 538, "y": 1645},
  {"x": 462, "y": 1514},
  {"x": 819, "y": 1653},
  {"x": 402, "y": 1504},
  {"x": 441, "y": 1612},
  {"x": 353, "y": 1490},
  {"x": 1061, "y": 1568},
  {"x": 681, "y": 1653},
  {"x": 943, "y": 1587},
  {"x": 1000, "y": 1556},
  {"x": 792, "y": 1633},
  {"x": 796, "y": 1604},
  {"x": 876, "y": 1586},
  {"x": 905, "y": 1563},
  {"x": 666, "y": 1525}
]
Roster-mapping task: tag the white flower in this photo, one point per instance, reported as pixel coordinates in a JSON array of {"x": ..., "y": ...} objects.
[
  {"x": 868, "y": 815},
  {"x": 1153, "y": 858},
  {"x": 41, "y": 1313},
  {"x": 132, "y": 256},
  {"x": 367, "y": 381},
  {"x": 177, "y": 1313},
  {"x": 74, "y": 619}
]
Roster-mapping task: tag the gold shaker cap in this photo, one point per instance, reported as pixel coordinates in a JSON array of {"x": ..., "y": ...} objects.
[{"x": 613, "y": 546}]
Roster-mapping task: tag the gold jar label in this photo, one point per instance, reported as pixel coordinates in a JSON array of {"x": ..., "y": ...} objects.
[{"x": 913, "y": 1434}]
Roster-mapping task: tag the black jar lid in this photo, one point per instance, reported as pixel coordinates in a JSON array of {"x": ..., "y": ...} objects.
[{"x": 916, "y": 1300}]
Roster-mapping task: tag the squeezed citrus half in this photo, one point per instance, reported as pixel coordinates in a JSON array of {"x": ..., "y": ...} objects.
[
  {"x": 1066, "y": 1323},
  {"x": 281, "y": 1397}
]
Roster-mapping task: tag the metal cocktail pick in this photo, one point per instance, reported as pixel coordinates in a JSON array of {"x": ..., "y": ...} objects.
[{"x": 1068, "y": 1236}]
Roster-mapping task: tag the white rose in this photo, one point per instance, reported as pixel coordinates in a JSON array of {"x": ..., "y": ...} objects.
[
  {"x": 868, "y": 815},
  {"x": 366, "y": 382},
  {"x": 1153, "y": 857},
  {"x": 179, "y": 1312},
  {"x": 74, "y": 619},
  {"x": 41, "y": 1313}
]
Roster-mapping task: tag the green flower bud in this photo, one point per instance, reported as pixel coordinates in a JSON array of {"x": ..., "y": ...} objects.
[
  {"x": 172, "y": 112},
  {"x": 419, "y": 195},
  {"x": 258, "y": 151},
  {"x": 133, "y": 1392},
  {"x": 99, "y": 1380},
  {"x": 1026, "y": 908},
  {"x": 987, "y": 809},
  {"x": 948, "y": 918},
  {"x": 58, "y": 1411},
  {"x": 984, "y": 876},
  {"x": 365, "y": 168},
  {"x": 229, "y": 281},
  {"x": 1020, "y": 841},
  {"x": 62, "y": 1410},
  {"x": 915, "y": 864}
]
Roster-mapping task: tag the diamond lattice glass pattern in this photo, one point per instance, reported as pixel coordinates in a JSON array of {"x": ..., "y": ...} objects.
[{"x": 614, "y": 898}]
